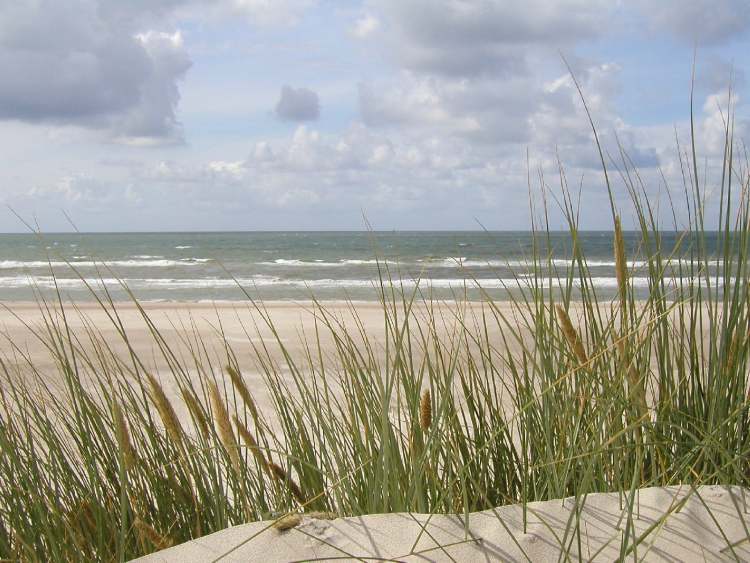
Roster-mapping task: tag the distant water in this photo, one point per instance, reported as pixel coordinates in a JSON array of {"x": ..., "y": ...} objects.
[{"x": 289, "y": 265}]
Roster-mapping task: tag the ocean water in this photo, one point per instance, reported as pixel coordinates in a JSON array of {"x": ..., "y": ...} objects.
[{"x": 291, "y": 265}]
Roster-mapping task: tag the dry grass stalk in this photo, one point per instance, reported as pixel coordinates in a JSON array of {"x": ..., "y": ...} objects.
[
  {"x": 148, "y": 535},
  {"x": 571, "y": 335},
  {"x": 288, "y": 522},
  {"x": 252, "y": 444},
  {"x": 81, "y": 518},
  {"x": 224, "y": 427},
  {"x": 196, "y": 411},
  {"x": 425, "y": 411},
  {"x": 123, "y": 437},
  {"x": 282, "y": 476},
  {"x": 621, "y": 264},
  {"x": 583, "y": 401},
  {"x": 166, "y": 412},
  {"x": 457, "y": 499},
  {"x": 620, "y": 342},
  {"x": 239, "y": 385}
]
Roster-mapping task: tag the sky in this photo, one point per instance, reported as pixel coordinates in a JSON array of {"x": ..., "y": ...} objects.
[{"x": 211, "y": 115}]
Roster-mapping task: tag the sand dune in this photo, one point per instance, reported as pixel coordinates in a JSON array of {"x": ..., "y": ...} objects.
[{"x": 710, "y": 526}]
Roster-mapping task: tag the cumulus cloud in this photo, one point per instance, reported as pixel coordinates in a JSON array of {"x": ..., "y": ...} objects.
[
  {"x": 716, "y": 111},
  {"x": 110, "y": 65},
  {"x": 355, "y": 169},
  {"x": 297, "y": 104},
  {"x": 458, "y": 38},
  {"x": 488, "y": 74},
  {"x": 316, "y": 179},
  {"x": 480, "y": 70},
  {"x": 89, "y": 63},
  {"x": 487, "y": 110}
]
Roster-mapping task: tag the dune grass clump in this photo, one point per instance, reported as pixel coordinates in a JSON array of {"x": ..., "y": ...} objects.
[{"x": 581, "y": 392}]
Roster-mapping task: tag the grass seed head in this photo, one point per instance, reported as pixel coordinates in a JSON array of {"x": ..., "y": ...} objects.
[
  {"x": 148, "y": 535},
  {"x": 241, "y": 387},
  {"x": 283, "y": 477},
  {"x": 425, "y": 411},
  {"x": 571, "y": 335},
  {"x": 123, "y": 437},
  {"x": 252, "y": 444},
  {"x": 224, "y": 427},
  {"x": 621, "y": 265},
  {"x": 288, "y": 522},
  {"x": 196, "y": 411},
  {"x": 166, "y": 412}
]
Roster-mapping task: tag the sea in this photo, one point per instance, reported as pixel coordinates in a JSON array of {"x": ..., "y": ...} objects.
[{"x": 294, "y": 266}]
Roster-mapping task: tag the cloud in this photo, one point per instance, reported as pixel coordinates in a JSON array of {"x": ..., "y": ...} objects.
[
  {"x": 357, "y": 169},
  {"x": 365, "y": 26},
  {"x": 488, "y": 75},
  {"x": 155, "y": 117},
  {"x": 410, "y": 100},
  {"x": 90, "y": 64},
  {"x": 297, "y": 104},
  {"x": 482, "y": 70},
  {"x": 698, "y": 22},
  {"x": 716, "y": 112},
  {"x": 311, "y": 179},
  {"x": 459, "y": 38},
  {"x": 453, "y": 94}
]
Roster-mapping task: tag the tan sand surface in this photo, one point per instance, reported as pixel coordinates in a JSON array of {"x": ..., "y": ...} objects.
[
  {"x": 203, "y": 328},
  {"x": 188, "y": 327},
  {"x": 238, "y": 322},
  {"x": 712, "y": 518}
]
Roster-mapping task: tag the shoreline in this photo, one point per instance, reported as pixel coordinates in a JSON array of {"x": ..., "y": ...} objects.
[{"x": 280, "y": 303}]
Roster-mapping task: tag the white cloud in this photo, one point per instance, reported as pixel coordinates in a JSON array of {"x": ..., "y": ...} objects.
[
  {"x": 365, "y": 26},
  {"x": 717, "y": 111},
  {"x": 411, "y": 100}
]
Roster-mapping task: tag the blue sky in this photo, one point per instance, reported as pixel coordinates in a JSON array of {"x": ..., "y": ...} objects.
[{"x": 304, "y": 114}]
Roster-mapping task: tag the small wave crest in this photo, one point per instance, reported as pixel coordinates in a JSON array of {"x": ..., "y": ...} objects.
[
  {"x": 131, "y": 263},
  {"x": 50, "y": 282}
]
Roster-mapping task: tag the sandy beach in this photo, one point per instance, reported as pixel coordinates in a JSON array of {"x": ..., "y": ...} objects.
[
  {"x": 202, "y": 331},
  {"x": 237, "y": 322}
]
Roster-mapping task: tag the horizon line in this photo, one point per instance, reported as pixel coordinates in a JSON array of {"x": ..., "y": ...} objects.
[{"x": 327, "y": 231}]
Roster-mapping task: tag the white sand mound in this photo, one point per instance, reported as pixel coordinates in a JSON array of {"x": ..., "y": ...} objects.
[{"x": 709, "y": 526}]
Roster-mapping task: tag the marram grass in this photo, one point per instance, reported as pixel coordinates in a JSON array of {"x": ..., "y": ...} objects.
[{"x": 580, "y": 394}]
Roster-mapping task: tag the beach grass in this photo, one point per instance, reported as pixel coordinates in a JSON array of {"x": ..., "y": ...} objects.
[{"x": 581, "y": 394}]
